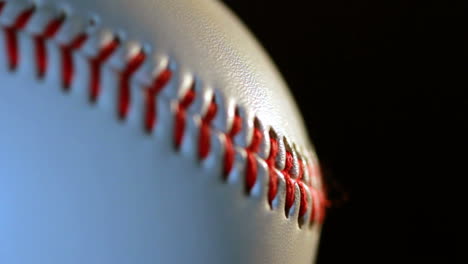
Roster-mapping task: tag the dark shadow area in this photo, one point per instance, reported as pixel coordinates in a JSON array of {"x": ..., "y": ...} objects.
[{"x": 378, "y": 87}]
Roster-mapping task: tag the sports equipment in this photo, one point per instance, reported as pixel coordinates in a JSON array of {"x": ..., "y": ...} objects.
[{"x": 148, "y": 131}]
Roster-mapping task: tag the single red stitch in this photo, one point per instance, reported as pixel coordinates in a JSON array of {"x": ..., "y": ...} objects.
[
  {"x": 204, "y": 140},
  {"x": 229, "y": 146},
  {"x": 189, "y": 97},
  {"x": 12, "y": 39},
  {"x": 256, "y": 140},
  {"x": 180, "y": 117},
  {"x": 290, "y": 190},
  {"x": 179, "y": 126},
  {"x": 303, "y": 202},
  {"x": 40, "y": 45},
  {"x": 124, "y": 91},
  {"x": 229, "y": 155},
  {"x": 251, "y": 164},
  {"x": 236, "y": 125},
  {"x": 300, "y": 179},
  {"x": 68, "y": 70},
  {"x": 211, "y": 112},
  {"x": 95, "y": 68},
  {"x": 151, "y": 93},
  {"x": 204, "y": 144},
  {"x": 273, "y": 181},
  {"x": 251, "y": 171}
]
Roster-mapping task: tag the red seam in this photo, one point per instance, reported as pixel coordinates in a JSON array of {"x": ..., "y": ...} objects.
[
  {"x": 229, "y": 153},
  {"x": 300, "y": 179},
  {"x": 11, "y": 37},
  {"x": 273, "y": 178},
  {"x": 68, "y": 69},
  {"x": 251, "y": 163},
  {"x": 151, "y": 93},
  {"x": 95, "y": 68},
  {"x": 236, "y": 125},
  {"x": 204, "y": 144},
  {"x": 181, "y": 114},
  {"x": 40, "y": 44},
  {"x": 124, "y": 91},
  {"x": 256, "y": 140},
  {"x": 251, "y": 171},
  {"x": 303, "y": 200},
  {"x": 290, "y": 190}
]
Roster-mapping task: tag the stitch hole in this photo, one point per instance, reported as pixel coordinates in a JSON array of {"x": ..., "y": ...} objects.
[{"x": 93, "y": 20}]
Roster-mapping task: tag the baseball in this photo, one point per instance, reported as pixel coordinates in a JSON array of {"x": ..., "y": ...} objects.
[{"x": 148, "y": 131}]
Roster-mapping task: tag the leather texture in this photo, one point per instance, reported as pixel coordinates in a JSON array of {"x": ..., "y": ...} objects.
[{"x": 79, "y": 186}]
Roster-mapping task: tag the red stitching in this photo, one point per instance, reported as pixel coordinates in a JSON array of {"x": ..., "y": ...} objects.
[
  {"x": 273, "y": 178},
  {"x": 124, "y": 91},
  {"x": 251, "y": 163},
  {"x": 151, "y": 93},
  {"x": 181, "y": 114},
  {"x": 12, "y": 38},
  {"x": 251, "y": 171},
  {"x": 318, "y": 196},
  {"x": 236, "y": 125},
  {"x": 256, "y": 140},
  {"x": 68, "y": 69},
  {"x": 204, "y": 144},
  {"x": 229, "y": 153},
  {"x": 290, "y": 190},
  {"x": 40, "y": 44},
  {"x": 95, "y": 68}
]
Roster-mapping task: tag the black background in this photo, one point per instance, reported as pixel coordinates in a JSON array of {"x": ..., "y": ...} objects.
[{"x": 377, "y": 85}]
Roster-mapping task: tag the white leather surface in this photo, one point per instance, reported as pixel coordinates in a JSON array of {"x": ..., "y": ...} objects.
[{"x": 79, "y": 186}]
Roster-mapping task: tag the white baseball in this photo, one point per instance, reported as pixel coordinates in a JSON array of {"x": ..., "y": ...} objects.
[{"x": 148, "y": 131}]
